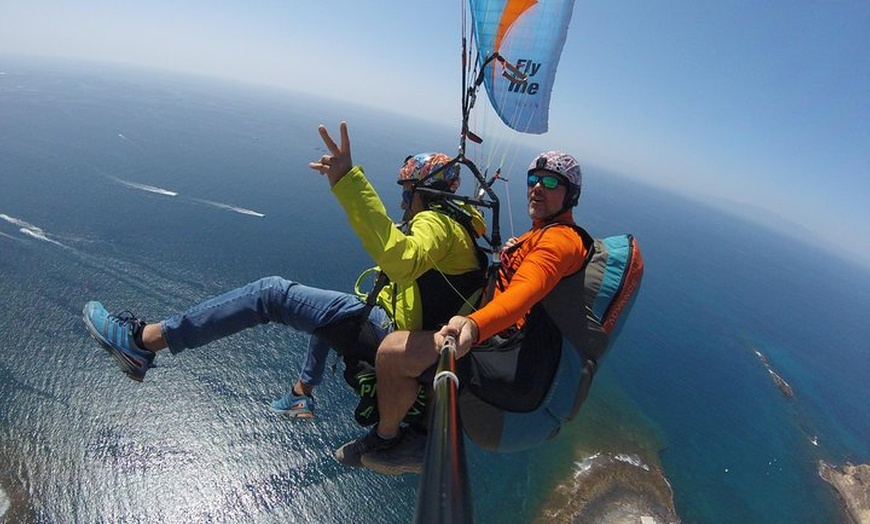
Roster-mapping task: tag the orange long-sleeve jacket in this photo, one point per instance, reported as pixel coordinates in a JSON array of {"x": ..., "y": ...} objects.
[{"x": 529, "y": 271}]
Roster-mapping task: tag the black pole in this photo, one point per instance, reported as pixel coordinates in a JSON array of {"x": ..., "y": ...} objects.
[{"x": 444, "y": 493}]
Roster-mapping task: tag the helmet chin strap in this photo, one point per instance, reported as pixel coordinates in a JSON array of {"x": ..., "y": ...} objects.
[
  {"x": 409, "y": 213},
  {"x": 571, "y": 199}
]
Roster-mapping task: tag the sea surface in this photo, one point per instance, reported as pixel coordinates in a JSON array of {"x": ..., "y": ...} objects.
[{"x": 151, "y": 192}]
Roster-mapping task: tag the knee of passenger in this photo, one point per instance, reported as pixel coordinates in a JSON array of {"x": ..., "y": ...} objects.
[
  {"x": 275, "y": 285},
  {"x": 272, "y": 282},
  {"x": 409, "y": 351},
  {"x": 272, "y": 291},
  {"x": 392, "y": 345}
]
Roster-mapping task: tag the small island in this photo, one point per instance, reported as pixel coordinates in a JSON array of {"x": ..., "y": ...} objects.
[{"x": 783, "y": 386}]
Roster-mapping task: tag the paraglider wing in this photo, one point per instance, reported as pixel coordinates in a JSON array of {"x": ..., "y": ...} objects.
[{"x": 529, "y": 35}]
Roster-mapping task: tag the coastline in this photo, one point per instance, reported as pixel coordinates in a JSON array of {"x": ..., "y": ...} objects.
[
  {"x": 610, "y": 488},
  {"x": 853, "y": 486},
  {"x": 617, "y": 476}
]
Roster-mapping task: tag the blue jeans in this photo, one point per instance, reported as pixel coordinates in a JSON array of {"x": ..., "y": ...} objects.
[{"x": 271, "y": 299}]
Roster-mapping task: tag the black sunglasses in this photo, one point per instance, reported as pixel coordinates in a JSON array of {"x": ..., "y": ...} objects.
[{"x": 548, "y": 181}]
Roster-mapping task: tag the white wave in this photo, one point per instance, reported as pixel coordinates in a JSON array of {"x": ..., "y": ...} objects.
[
  {"x": 634, "y": 460},
  {"x": 146, "y": 187},
  {"x": 39, "y": 235},
  {"x": 585, "y": 465},
  {"x": 4, "y": 503},
  {"x": 228, "y": 207}
]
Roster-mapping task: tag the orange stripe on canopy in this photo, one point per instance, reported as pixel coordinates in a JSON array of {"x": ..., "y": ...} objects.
[{"x": 512, "y": 11}]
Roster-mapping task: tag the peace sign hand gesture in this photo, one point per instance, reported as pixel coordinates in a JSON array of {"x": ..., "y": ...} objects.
[{"x": 336, "y": 164}]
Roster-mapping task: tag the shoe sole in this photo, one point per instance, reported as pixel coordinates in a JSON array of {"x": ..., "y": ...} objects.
[
  {"x": 340, "y": 457},
  {"x": 390, "y": 469},
  {"x": 304, "y": 415},
  {"x": 119, "y": 357}
]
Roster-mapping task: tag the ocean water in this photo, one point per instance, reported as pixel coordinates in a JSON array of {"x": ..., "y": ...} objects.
[{"x": 152, "y": 192}]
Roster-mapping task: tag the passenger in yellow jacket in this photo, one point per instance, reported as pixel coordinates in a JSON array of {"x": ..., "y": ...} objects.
[
  {"x": 430, "y": 265},
  {"x": 531, "y": 266}
]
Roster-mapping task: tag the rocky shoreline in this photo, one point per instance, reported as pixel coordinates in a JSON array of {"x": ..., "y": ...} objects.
[
  {"x": 853, "y": 485},
  {"x": 613, "y": 489}
]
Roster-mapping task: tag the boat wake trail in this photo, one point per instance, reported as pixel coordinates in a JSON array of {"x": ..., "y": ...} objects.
[
  {"x": 40, "y": 235},
  {"x": 145, "y": 187},
  {"x": 128, "y": 272},
  {"x": 228, "y": 207},
  {"x": 30, "y": 230},
  {"x": 166, "y": 192},
  {"x": 10, "y": 237}
]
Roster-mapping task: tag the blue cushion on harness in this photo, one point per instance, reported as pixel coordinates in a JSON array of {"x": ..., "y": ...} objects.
[{"x": 585, "y": 310}]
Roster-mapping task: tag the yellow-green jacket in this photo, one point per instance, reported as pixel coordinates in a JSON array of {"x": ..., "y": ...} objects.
[{"x": 433, "y": 268}]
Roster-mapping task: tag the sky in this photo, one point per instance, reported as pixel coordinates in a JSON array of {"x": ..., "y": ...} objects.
[{"x": 760, "y": 107}]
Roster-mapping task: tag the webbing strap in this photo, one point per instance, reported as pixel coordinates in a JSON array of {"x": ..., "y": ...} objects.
[{"x": 371, "y": 301}]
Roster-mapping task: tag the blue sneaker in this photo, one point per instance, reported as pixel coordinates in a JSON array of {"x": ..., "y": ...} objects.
[
  {"x": 293, "y": 405},
  {"x": 115, "y": 334}
]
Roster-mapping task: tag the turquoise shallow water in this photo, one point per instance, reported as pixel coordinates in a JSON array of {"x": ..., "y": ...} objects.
[{"x": 89, "y": 161}]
